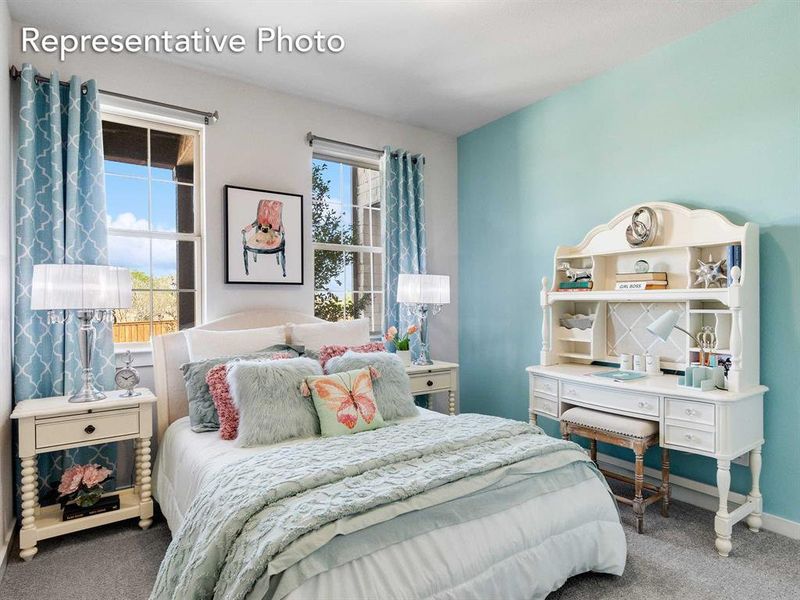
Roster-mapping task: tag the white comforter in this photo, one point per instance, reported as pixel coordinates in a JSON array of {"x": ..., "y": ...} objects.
[{"x": 523, "y": 552}]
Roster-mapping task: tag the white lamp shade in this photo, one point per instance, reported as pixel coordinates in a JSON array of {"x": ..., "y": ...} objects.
[
  {"x": 79, "y": 287},
  {"x": 662, "y": 327},
  {"x": 423, "y": 289}
]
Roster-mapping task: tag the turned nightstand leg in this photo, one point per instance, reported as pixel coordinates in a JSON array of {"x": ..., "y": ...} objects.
[
  {"x": 532, "y": 417},
  {"x": 722, "y": 521},
  {"x": 36, "y": 506},
  {"x": 30, "y": 498},
  {"x": 452, "y": 403},
  {"x": 143, "y": 482},
  {"x": 754, "y": 518}
]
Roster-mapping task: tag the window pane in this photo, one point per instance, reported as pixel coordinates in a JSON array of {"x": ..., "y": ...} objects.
[
  {"x": 377, "y": 272},
  {"x": 172, "y": 156},
  {"x": 133, "y": 324},
  {"x": 329, "y": 306},
  {"x": 173, "y": 207},
  {"x": 186, "y": 266},
  {"x": 125, "y": 149},
  {"x": 132, "y": 253},
  {"x": 126, "y": 203},
  {"x": 186, "y": 309},
  {"x": 367, "y": 188},
  {"x": 328, "y": 270},
  {"x": 165, "y": 312},
  {"x": 165, "y": 264},
  {"x": 362, "y": 271}
]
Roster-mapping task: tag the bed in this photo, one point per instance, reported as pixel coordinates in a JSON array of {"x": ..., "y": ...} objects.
[{"x": 491, "y": 527}]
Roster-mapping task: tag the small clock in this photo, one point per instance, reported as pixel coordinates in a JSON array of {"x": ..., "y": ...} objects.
[{"x": 127, "y": 378}]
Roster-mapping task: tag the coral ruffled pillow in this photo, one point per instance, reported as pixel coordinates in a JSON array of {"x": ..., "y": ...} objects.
[
  {"x": 217, "y": 380},
  {"x": 328, "y": 352},
  {"x": 344, "y": 402}
]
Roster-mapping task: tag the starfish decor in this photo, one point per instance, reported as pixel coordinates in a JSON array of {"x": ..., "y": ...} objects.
[{"x": 710, "y": 274}]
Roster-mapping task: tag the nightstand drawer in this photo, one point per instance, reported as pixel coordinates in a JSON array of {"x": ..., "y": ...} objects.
[
  {"x": 86, "y": 428},
  {"x": 430, "y": 382}
]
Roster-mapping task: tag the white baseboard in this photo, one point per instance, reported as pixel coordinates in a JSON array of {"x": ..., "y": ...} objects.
[{"x": 701, "y": 494}]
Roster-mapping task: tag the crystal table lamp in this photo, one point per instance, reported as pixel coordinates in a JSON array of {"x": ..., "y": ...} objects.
[
  {"x": 424, "y": 293},
  {"x": 92, "y": 291}
]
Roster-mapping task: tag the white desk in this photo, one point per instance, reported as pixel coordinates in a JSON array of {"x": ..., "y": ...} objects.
[{"x": 719, "y": 424}]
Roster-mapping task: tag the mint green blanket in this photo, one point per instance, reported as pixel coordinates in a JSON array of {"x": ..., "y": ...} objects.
[{"x": 247, "y": 514}]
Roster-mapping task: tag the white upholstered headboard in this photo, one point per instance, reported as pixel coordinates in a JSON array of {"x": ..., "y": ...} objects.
[{"x": 170, "y": 352}]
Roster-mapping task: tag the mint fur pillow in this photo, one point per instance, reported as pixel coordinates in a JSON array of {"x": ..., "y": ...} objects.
[
  {"x": 392, "y": 388},
  {"x": 202, "y": 412},
  {"x": 345, "y": 402},
  {"x": 271, "y": 407}
]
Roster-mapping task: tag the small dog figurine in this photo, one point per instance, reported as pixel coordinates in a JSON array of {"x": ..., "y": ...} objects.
[{"x": 575, "y": 274}]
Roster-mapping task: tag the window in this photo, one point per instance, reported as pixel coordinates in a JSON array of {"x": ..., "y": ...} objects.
[
  {"x": 154, "y": 224},
  {"x": 348, "y": 242}
]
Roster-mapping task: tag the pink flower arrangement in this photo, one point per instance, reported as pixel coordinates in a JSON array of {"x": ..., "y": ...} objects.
[
  {"x": 82, "y": 483},
  {"x": 400, "y": 343}
]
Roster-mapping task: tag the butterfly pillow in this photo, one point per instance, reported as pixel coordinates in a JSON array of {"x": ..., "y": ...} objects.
[{"x": 344, "y": 401}]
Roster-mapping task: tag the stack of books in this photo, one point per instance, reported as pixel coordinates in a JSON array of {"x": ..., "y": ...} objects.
[
  {"x": 656, "y": 280},
  {"x": 733, "y": 256},
  {"x": 582, "y": 285}
]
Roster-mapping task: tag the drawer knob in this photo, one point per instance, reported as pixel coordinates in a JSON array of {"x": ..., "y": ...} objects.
[
  {"x": 643, "y": 404},
  {"x": 689, "y": 436},
  {"x": 572, "y": 392},
  {"x": 691, "y": 411},
  {"x": 430, "y": 383},
  {"x": 89, "y": 429}
]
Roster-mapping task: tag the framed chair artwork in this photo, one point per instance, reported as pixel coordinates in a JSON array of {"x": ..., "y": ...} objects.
[{"x": 263, "y": 236}]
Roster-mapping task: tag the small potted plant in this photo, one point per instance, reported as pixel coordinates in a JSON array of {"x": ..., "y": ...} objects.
[
  {"x": 81, "y": 491},
  {"x": 401, "y": 344}
]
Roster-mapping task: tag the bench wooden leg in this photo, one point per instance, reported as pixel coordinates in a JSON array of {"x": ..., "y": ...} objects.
[
  {"x": 638, "y": 481},
  {"x": 564, "y": 430},
  {"x": 665, "y": 482},
  {"x": 593, "y": 450}
]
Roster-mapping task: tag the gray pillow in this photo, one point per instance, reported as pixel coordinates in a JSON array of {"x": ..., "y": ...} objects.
[
  {"x": 202, "y": 412},
  {"x": 392, "y": 389},
  {"x": 271, "y": 407}
]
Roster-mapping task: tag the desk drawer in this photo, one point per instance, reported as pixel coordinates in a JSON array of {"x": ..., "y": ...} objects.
[
  {"x": 691, "y": 412},
  {"x": 87, "y": 428},
  {"x": 675, "y": 435},
  {"x": 630, "y": 402},
  {"x": 422, "y": 383},
  {"x": 545, "y": 405},
  {"x": 545, "y": 385}
]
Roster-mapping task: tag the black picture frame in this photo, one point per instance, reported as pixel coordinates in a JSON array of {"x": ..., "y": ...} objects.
[{"x": 251, "y": 273}]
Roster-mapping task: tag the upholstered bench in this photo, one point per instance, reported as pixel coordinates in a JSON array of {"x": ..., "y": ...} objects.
[{"x": 627, "y": 432}]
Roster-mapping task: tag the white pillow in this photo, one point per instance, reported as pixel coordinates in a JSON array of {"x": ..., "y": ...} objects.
[
  {"x": 204, "y": 344},
  {"x": 315, "y": 335}
]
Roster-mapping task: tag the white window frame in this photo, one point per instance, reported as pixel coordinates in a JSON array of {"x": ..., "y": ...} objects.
[
  {"x": 360, "y": 161},
  {"x": 150, "y": 121}
]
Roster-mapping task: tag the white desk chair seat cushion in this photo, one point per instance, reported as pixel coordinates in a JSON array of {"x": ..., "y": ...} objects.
[{"x": 595, "y": 419}]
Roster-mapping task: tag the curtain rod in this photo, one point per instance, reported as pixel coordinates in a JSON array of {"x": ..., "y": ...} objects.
[
  {"x": 209, "y": 117},
  {"x": 311, "y": 138}
]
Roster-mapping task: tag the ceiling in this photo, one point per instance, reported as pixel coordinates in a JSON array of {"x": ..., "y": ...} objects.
[{"x": 450, "y": 66}]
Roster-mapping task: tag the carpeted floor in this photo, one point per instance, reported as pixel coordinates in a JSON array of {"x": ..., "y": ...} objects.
[{"x": 675, "y": 558}]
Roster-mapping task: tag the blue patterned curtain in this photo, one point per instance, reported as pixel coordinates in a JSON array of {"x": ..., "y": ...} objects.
[
  {"x": 60, "y": 211},
  {"x": 404, "y": 237}
]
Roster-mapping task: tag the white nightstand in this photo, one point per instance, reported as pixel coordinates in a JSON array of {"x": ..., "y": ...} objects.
[
  {"x": 439, "y": 377},
  {"x": 49, "y": 424}
]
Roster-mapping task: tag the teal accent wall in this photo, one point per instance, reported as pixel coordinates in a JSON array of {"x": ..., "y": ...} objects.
[{"x": 709, "y": 121}]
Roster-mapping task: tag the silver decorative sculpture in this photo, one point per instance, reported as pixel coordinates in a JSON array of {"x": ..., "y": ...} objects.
[
  {"x": 574, "y": 274},
  {"x": 643, "y": 228},
  {"x": 710, "y": 274}
]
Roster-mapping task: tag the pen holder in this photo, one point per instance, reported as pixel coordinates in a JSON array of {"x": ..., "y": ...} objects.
[{"x": 703, "y": 378}]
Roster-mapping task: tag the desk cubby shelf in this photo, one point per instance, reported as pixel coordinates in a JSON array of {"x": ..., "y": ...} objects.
[{"x": 684, "y": 236}]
